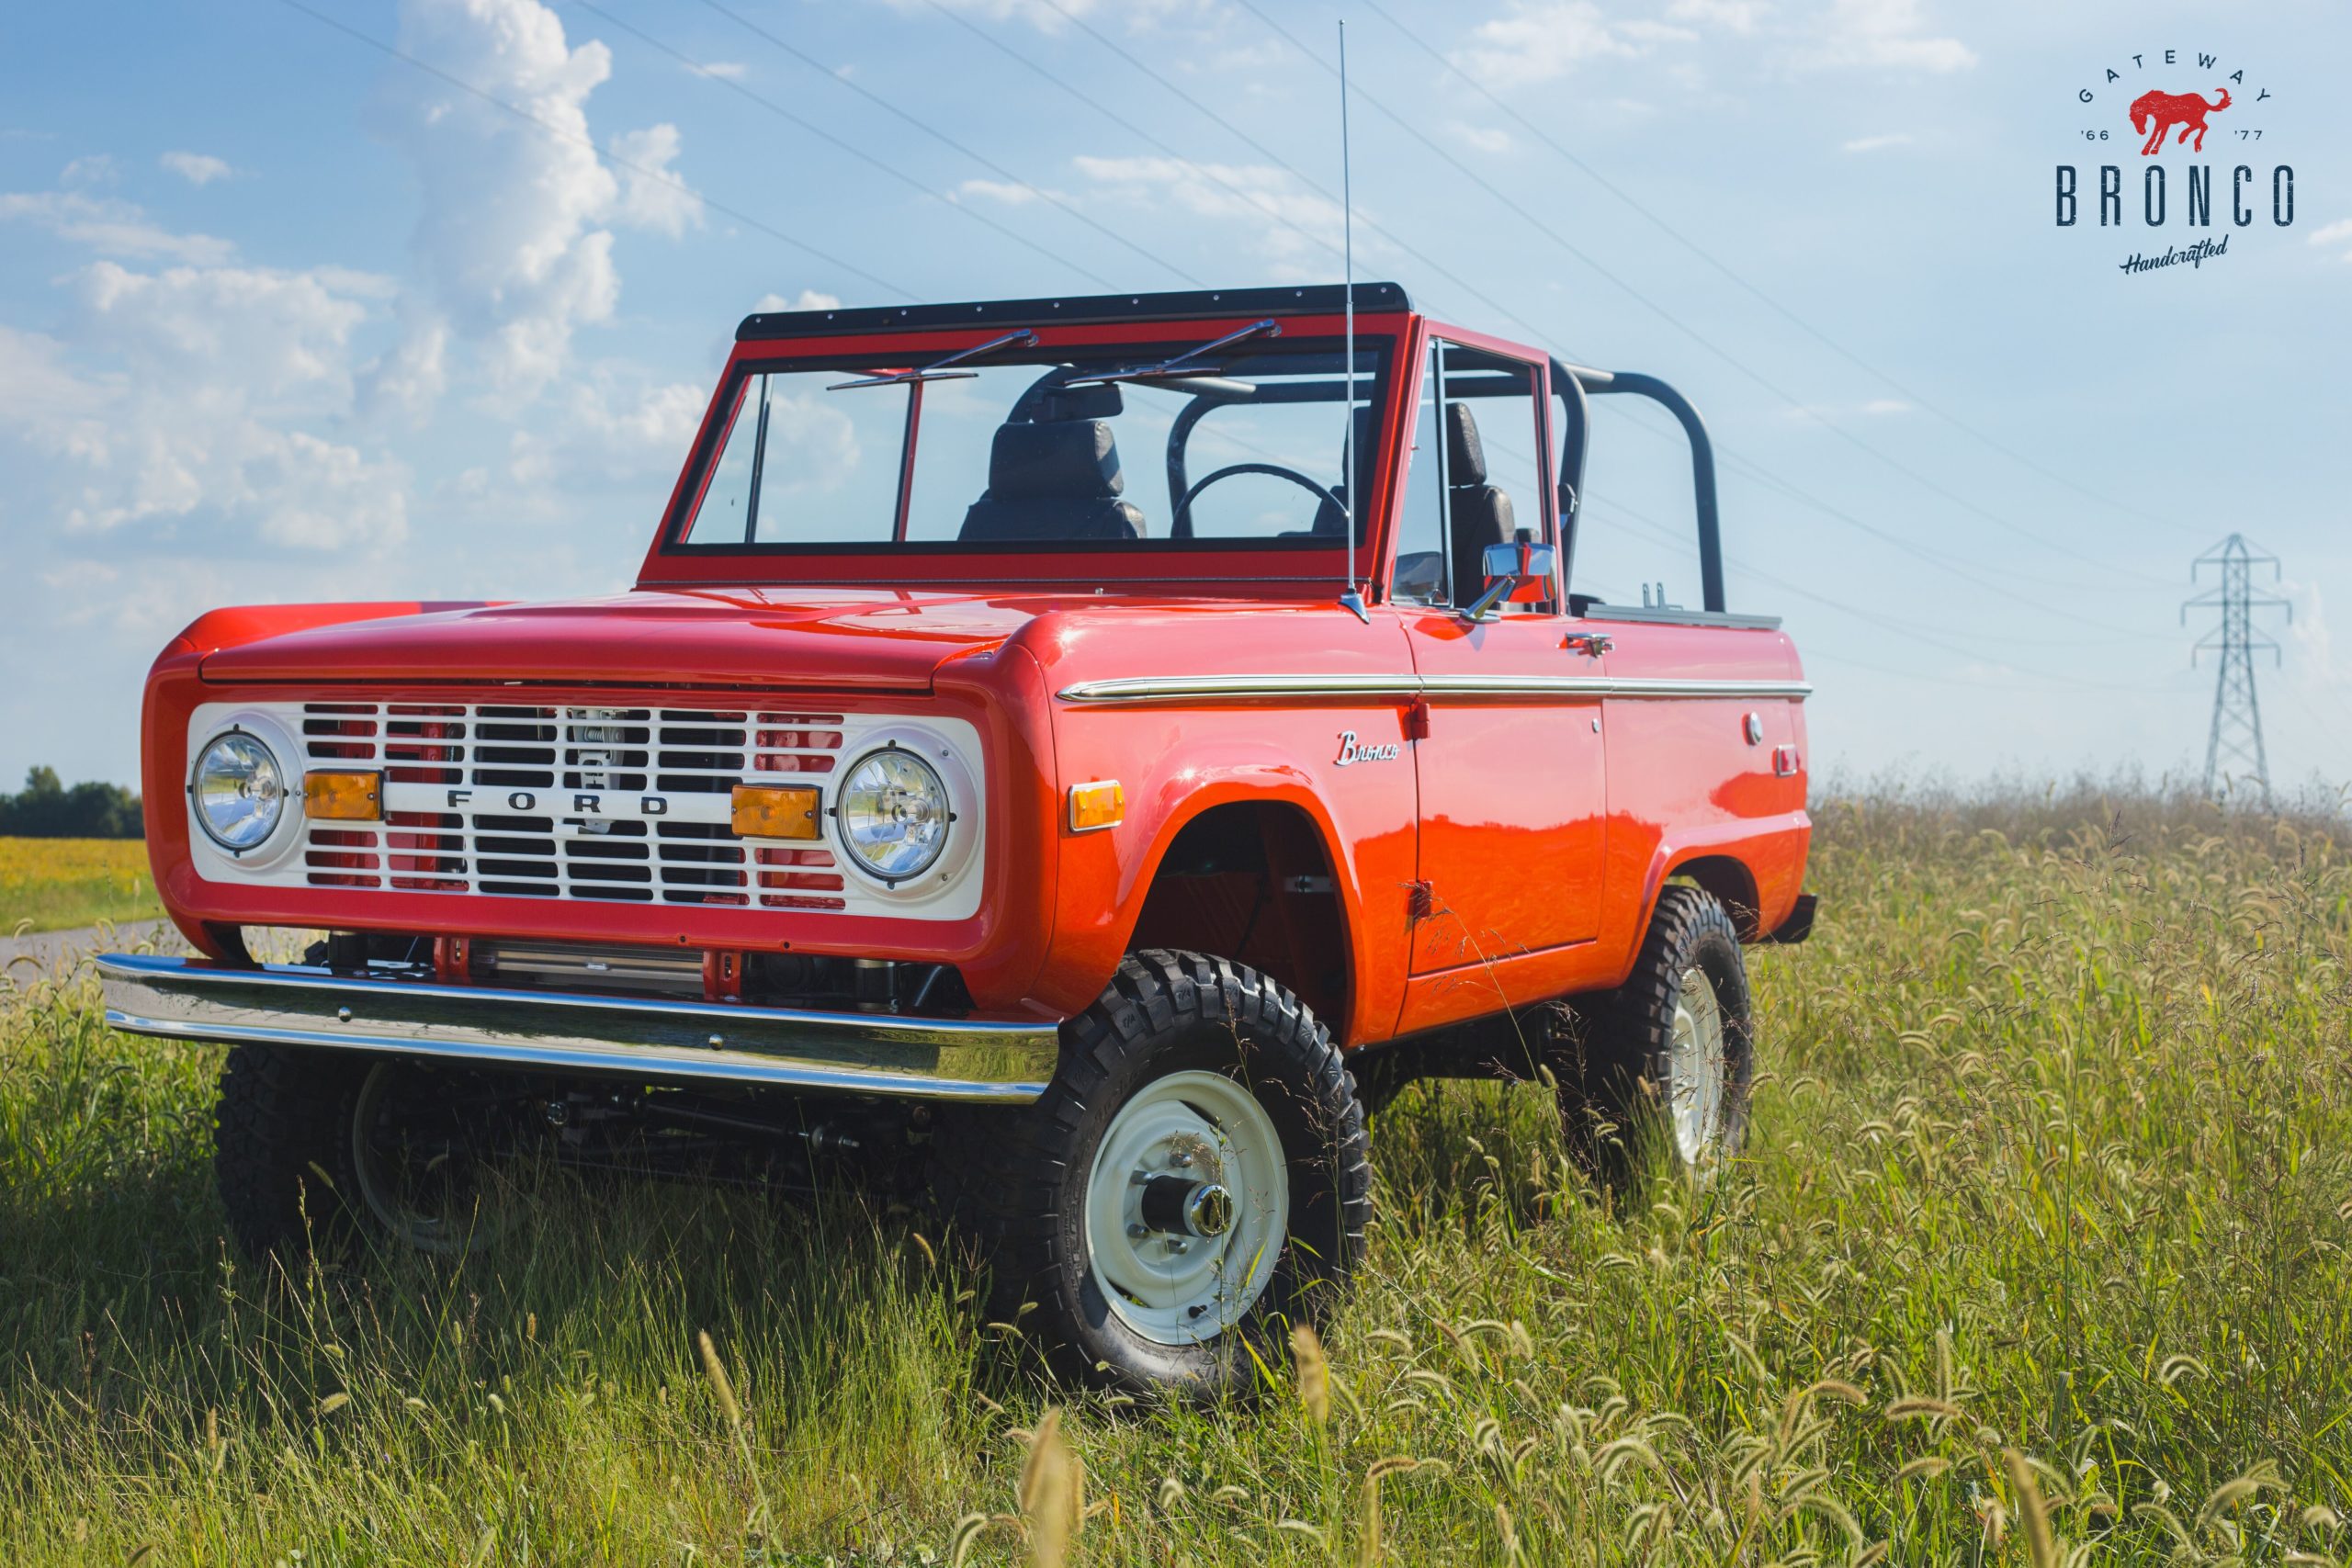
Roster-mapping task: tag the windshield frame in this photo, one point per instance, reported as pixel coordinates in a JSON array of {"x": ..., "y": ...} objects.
[{"x": 672, "y": 561}]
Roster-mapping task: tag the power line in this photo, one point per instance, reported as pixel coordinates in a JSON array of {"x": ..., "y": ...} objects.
[
  {"x": 1536, "y": 131},
  {"x": 1549, "y": 233},
  {"x": 942, "y": 137},
  {"x": 1257, "y": 200},
  {"x": 1533, "y": 333},
  {"x": 847, "y": 146},
  {"x": 1911, "y": 629},
  {"x": 560, "y": 133}
]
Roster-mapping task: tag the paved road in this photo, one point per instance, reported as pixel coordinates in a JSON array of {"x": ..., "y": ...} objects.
[
  {"x": 24, "y": 957},
  {"x": 27, "y": 958}
]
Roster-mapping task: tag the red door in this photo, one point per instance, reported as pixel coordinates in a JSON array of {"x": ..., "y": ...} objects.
[{"x": 1513, "y": 789}]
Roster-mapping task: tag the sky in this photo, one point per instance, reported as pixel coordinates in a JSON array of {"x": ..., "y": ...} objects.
[{"x": 311, "y": 300}]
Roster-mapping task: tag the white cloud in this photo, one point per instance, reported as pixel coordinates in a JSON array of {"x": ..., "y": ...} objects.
[
  {"x": 407, "y": 380},
  {"x": 652, "y": 196},
  {"x": 1252, "y": 194},
  {"x": 809, "y": 299},
  {"x": 2336, "y": 233},
  {"x": 109, "y": 226},
  {"x": 725, "y": 70},
  {"x": 95, "y": 169},
  {"x": 1879, "y": 143},
  {"x": 611, "y": 425},
  {"x": 1138, "y": 16},
  {"x": 1883, "y": 406},
  {"x": 196, "y": 168},
  {"x": 1480, "y": 138},
  {"x": 1000, "y": 190},
  {"x": 1542, "y": 41},
  {"x": 181, "y": 402},
  {"x": 1741, "y": 16},
  {"x": 1880, "y": 34},
  {"x": 1043, "y": 18},
  {"x": 511, "y": 235}
]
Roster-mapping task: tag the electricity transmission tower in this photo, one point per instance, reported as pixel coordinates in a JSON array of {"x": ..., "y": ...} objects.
[{"x": 2233, "y": 748}]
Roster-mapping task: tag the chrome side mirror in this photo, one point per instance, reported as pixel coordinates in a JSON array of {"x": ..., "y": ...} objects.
[{"x": 1521, "y": 572}]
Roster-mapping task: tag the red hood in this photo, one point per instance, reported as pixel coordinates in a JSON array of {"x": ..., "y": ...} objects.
[{"x": 853, "y": 639}]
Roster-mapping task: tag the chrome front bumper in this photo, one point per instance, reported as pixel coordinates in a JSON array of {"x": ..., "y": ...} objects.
[{"x": 180, "y": 999}]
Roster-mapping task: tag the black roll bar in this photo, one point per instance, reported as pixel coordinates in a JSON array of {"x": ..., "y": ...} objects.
[{"x": 1578, "y": 439}]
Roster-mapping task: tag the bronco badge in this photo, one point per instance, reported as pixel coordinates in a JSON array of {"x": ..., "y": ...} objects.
[{"x": 1353, "y": 751}]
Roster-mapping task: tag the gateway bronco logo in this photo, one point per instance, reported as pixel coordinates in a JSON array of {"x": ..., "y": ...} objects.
[{"x": 2196, "y": 207}]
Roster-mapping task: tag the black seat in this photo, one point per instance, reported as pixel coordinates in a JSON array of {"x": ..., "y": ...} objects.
[
  {"x": 1053, "y": 481},
  {"x": 1329, "y": 520},
  {"x": 1477, "y": 513}
]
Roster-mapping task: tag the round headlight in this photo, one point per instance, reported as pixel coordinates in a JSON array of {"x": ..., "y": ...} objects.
[
  {"x": 240, "y": 794},
  {"x": 893, "y": 814}
]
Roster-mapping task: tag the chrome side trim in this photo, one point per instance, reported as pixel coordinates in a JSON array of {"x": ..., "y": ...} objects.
[
  {"x": 180, "y": 999},
  {"x": 1180, "y": 688},
  {"x": 1176, "y": 688}
]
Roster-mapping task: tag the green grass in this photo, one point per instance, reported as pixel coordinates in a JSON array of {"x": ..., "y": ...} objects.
[
  {"x": 62, "y": 884},
  {"x": 2049, "y": 1179}
]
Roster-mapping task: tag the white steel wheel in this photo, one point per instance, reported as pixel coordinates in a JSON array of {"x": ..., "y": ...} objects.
[
  {"x": 1696, "y": 1069},
  {"x": 1186, "y": 1207}
]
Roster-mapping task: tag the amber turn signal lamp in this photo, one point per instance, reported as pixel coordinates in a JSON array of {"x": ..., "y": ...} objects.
[
  {"x": 342, "y": 796},
  {"x": 1102, "y": 803},
  {"x": 776, "y": 811}
]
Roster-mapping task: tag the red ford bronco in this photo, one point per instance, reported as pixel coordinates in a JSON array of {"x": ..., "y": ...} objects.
[{"x": 945, "y": 805}]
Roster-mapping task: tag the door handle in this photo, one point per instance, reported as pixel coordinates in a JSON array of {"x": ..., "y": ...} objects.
[{"x": 1594, "y": 644}]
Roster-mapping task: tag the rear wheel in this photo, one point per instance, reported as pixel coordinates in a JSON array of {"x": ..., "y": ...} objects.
[
  {"x": 1660, "y": 1075},
  {"x": 1195, "y": 1177}
]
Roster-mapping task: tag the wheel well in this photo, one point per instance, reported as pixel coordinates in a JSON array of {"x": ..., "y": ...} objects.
[
  {"x": 1253, "y": 881},
  {"x": 1732, "y": 885}
]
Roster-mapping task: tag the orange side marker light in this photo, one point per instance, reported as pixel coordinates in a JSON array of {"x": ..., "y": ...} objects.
[
  {"x": 1102, "y": 803},
  {"x": 342, "y": 796},
  {"x": 776, "y": 811}
]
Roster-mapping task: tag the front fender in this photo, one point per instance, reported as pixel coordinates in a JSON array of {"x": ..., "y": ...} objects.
[{"x": 1363, "y": 819}]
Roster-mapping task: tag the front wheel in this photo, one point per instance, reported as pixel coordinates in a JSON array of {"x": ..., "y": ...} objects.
[
  {"x": 1660, "y": 1076},
  {"x": 335, "y": 1148},
  {"x": 1196, "y": 1174}
]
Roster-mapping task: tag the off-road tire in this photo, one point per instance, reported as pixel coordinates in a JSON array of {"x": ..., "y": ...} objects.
[
  {"x": 1613, "y": 1060},
  {"x": 281, "y": 1149},
  {"x": 1013, "y": 1182}
]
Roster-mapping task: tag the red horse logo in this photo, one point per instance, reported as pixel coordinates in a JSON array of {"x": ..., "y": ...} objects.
[{"x": 2186, "y": 110}]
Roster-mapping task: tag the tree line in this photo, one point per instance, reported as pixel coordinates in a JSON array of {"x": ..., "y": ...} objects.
[{"x": 45, "y": 808}]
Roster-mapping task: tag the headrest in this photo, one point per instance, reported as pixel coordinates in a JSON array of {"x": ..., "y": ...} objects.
[
  {"x": 1077, "y": 461},
  {"x": 1049, "y": 401},
  {"x": 1465, "y": 454},
  {"x": 1101, "y": 400},
  {"x": 1367, "y": 453}
]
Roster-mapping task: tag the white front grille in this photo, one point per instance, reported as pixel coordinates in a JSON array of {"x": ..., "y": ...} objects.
[{"x": 486, "y": 798}]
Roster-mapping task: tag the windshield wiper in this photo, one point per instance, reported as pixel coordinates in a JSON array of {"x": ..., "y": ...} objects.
[
  {"x": 1180, "y": 366},
  {"x": 937, "y": 370}
]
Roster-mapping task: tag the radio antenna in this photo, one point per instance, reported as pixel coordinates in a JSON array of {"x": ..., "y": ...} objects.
[{"x": 1351, "y": 599}]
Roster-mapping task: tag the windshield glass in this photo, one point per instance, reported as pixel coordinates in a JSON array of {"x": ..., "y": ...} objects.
[{"x": 1027, "y": 447}]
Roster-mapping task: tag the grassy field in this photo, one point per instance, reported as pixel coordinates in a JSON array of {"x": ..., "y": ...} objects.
[
  {"x": 58, "y": 884},
  {"x": 2039, "y": 1251}
]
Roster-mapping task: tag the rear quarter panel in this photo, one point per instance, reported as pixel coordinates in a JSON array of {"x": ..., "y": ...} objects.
[{"x": 1686, "y": 783}]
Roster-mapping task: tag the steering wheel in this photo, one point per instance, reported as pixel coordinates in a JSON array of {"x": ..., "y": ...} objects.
[{"x": 1180, "y": 526}]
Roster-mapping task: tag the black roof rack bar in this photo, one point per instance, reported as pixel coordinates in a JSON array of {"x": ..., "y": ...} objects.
[
  {"x": 1314, "y": 300},
  {"x": 1599, "y": 383}
]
